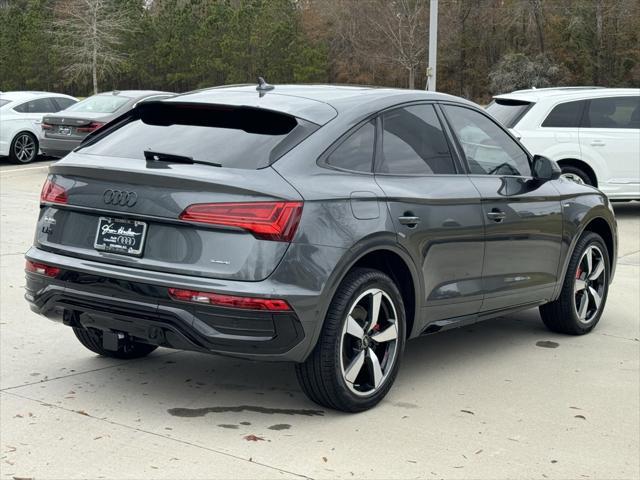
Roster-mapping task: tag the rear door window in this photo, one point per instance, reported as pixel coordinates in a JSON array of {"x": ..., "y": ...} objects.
[
  {"x": 565, "y": 115},
  {"x": 38, "y": 105},
  {"x": 615, "y": 112},
  {"x": 413, "y": 143},
  {"x": 233, "y": 137},
  {"x": 356, "y": 152}
]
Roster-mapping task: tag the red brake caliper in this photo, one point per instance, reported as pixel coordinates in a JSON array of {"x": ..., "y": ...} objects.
[
  {"x": 579, "y": 272},
  {"x": 376, "y": 327}
]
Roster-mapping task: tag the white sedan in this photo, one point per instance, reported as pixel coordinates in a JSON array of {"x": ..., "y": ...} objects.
[{"x": 20, "y": 117}]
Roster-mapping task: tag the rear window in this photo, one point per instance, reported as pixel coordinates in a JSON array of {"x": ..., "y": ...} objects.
[
  {"x": 99, "y": 104},
  {"x": 233, "y": 137},
  {"x": 508, "y": 112}
]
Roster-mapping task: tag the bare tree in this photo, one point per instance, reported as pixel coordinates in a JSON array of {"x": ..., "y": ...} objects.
[
  {"x": 402, "y": 25},
  {"x": 89, "y": 35}
]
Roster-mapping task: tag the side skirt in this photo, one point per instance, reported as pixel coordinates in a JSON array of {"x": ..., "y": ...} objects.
[{"x": 456, "y": 322}]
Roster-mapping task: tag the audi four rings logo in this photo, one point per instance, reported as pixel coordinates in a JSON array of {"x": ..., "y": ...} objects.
[
  {"x": 120, "y": 197},
  {"x": 127, "y": 241}
]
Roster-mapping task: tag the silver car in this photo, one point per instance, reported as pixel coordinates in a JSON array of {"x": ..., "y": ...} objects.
[{"x": 64, "y": 131}]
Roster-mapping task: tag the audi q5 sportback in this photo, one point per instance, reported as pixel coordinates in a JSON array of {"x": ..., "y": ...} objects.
[{"x": 321, "y": 225}]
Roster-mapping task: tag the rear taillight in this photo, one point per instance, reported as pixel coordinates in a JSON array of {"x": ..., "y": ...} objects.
[
  {"x": 42, "y": 269},
  {"x": 92, "y": 127},
  {"x": 53, "y": 193},
  {"x": 46, "y": 126},
  {"x": 231, "y": 301},
  {"x": 266, "y": 220}
]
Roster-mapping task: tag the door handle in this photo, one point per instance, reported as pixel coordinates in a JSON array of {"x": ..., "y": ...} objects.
[
  {"x": 409, "y": 221},
  {"x": 496, "y": 215},
  {"x": 597, "y": 143}
]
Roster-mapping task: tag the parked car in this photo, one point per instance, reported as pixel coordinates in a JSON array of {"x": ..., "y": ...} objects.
[
  {"x": 20, "y": 117},
  {"x": 593, "y": 133},
  {"x": 321, "y": 225},
  {"x": 63, "y": 132}
]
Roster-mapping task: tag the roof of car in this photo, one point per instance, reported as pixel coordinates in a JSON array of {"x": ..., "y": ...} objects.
[
  {"x": 317, "y": 103},
  {"x": 135, "y": 93},
  {"x": 561, "y": 93},
  {"x": 17, "y": 96}
]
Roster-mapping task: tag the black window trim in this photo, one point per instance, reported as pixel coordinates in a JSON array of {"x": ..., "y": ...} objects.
[
  {"x": 501, "y": 127},
  {"x": 581, "y": 115},
  {"x": 459, "y": 167}
]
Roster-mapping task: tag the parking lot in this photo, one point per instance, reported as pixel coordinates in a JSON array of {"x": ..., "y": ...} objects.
[{"x": 500, "y": 399}]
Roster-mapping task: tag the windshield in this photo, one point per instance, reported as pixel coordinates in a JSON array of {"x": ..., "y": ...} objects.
[
  {"x": 99, "y": 104},
  {"x": 508, "y": 112},
  {"x": 248, "y": 138}
]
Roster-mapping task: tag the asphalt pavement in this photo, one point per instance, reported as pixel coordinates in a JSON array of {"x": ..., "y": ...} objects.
[{"x": 501, "y": 399}]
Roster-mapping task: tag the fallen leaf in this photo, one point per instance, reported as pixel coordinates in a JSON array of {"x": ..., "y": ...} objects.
[
  {"x": 252, "y": 438},
  {"x": 82, "y": 412},
  {"x": 478, "y": 452},
  {"x": 467, "y": 411},
  {"x": 324, "y": 459},
  {"x": 580, "y": 416}
]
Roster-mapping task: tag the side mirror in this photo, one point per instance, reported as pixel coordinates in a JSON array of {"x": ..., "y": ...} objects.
[{"x": 545, "y": 169}]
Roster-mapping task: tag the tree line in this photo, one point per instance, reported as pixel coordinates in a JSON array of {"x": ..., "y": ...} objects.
[{"x": 485, "y": 46}]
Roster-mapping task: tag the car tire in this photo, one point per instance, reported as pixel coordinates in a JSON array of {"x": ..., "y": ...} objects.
[
  {"x": 91, "y": 338},
  {"x": 584, "y": 291},
  {"x": 355, "y": 360},
  {"x": 24, "y": 148},
  {"x": 576, "y": 174}
]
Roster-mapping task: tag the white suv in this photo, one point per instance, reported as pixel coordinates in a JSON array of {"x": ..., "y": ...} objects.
[{"x": 593, "y": 133}]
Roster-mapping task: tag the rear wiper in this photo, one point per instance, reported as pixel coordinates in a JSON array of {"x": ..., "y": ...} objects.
[{"x": 172, "y": 158}]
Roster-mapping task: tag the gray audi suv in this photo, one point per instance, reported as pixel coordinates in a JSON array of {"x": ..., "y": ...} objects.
[{"x": 320, "y": 225}]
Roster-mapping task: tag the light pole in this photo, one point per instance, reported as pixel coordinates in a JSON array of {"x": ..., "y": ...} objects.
[{"x": 433, "y": 45}]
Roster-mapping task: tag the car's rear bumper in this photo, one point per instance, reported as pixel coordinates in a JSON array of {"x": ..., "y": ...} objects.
[
  {"x": 57, "y": 147},
  {"x": 137, "y": 303}
]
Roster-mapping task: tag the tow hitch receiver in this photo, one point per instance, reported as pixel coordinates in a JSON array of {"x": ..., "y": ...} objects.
[{"x": 113, "y": 340}]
